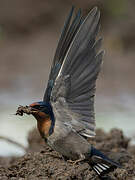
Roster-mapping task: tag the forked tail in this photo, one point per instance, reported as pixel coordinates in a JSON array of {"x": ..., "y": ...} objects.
[{"x": 100, "y": 163}]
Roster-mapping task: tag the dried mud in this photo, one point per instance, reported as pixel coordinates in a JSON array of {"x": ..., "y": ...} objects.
[{"x": 40, "y": 162}]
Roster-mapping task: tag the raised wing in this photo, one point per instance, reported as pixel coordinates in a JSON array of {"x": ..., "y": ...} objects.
[
  {"x": 74, "y": 86},
  {"x": 67, "y": 35}
]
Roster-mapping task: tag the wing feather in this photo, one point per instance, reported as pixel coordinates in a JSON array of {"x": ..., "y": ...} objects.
[
  {"x": 63, "y": 35},
  {"x": 74, "y": 83},
  {"x": 87, "y": 31},
  {"x": 66, "y": 38}
]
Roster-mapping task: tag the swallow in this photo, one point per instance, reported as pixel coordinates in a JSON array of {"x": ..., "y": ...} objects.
[{"x": 65, "y": 117}]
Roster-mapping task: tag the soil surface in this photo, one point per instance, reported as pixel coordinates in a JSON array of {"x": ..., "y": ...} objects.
[
  {"x": 40, "y": 162},
  {"x": 28, "y": 35}
]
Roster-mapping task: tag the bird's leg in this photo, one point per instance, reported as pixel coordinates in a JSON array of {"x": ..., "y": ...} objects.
[{"x": 82, "y": 158}]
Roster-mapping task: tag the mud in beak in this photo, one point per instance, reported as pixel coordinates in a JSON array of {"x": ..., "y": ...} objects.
[{"x": 27, "y": 110}]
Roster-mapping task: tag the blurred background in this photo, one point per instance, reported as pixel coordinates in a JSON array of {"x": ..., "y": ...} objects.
[{"x": 29, "y": 32}]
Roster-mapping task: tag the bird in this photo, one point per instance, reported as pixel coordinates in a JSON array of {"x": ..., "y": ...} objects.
[{"x": 66, "y": 117}]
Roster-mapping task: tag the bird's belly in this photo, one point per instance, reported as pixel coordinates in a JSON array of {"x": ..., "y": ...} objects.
[{"x": 71, "y": 146}]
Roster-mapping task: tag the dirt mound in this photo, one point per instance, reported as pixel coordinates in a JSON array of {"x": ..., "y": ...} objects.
[{"x": 47, "y": 164}]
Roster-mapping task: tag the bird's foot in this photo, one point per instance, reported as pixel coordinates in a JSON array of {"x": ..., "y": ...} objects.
[
  {"x": 73, "y": 162},
  {"x": 76, "y": 161}
]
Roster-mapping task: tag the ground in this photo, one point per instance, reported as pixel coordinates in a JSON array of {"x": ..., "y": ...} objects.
[
  {"x": 40, "y": 162},
  {"x": 28, "y": 36}
]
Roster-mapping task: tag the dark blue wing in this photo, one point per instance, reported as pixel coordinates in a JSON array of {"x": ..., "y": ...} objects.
[{"x": 67, "y": 35}]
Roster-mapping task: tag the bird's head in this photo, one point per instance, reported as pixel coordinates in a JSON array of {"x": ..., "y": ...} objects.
[
  {"x": 41, "y": 106},
  {"x": 42, "y": 111}
]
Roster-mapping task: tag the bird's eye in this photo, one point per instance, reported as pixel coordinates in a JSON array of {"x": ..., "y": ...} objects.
[
  {"x": 36, "y": 106},
  {"x": 41, "y": 107}
]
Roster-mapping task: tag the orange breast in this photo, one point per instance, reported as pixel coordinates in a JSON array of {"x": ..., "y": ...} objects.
[{"x": 44, "y": 126}]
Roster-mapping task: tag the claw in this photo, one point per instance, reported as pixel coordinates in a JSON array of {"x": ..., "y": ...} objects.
[{"x": 82, "y": 157}]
